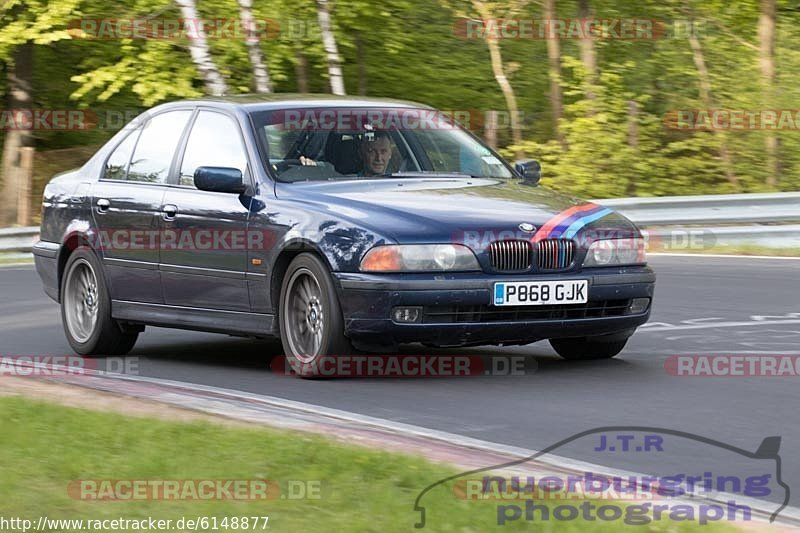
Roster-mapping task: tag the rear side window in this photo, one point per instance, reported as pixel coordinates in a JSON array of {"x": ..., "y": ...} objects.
[
  {"x": 117, "y": 164},
  {"x": 156, "y": 147},
  {"x": 214, "y": 142}
]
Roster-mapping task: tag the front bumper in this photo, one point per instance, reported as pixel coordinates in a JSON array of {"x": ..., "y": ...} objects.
[{"x": 457, "y": 311}]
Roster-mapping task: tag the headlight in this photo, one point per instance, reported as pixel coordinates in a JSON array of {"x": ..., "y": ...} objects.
[
  {"x": 610, "y": 252},
  {"x": 419, "y": 258}
]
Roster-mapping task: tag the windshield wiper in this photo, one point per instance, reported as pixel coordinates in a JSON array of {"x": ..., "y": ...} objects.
[{"x": 429, "y": 174}]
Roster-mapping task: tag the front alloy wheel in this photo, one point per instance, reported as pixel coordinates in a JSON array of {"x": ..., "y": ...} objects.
[
  {"x": 310, "y": 318},
  {"x": 305, "y": 316}
]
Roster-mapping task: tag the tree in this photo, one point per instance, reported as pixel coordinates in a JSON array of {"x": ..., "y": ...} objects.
[
  {"x": 24, "y": 24},
  {"x": 490, "y": 12},
  {"x": 766, "y": 38},
  {"x": 198, "y": 48},
  {"x": 485, "y": 10},
  {"x": 331, "y": 49},
  {"x": 260, "y": 70},
  {"x": 20, "y": 98},
  {"x": 706, "y": 96},
  {"x": 587, "y": 49},
  {"x": 554, "y": 71}
]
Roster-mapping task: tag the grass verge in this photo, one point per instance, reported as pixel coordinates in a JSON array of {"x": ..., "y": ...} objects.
[
  {"x": 15, "y": 258},
  {"x": 44, "y": 447}
]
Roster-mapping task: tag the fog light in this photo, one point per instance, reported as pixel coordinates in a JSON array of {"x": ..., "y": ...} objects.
[
  {"x": 638, "y": 305},
  {"x": 407, "y": 315}
]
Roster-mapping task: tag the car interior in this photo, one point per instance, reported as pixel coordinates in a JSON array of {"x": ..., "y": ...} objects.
[{"x": 336, "y": 154}]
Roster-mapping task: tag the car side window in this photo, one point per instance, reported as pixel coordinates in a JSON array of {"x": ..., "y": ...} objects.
[
  {"x": 214, "y": 141},
  {"x": 156, "y": 147},
  {"x": 117, "y": 163},
  {"x": 442, "y": 151}
]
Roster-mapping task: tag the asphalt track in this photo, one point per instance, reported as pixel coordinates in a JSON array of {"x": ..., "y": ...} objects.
[{"x": 703, "y": 305}]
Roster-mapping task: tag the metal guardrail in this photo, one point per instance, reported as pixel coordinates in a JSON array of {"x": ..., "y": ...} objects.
[
  {"x": 771, "y": 220},
  {"x": 693, "y": 238},
  {"x": 18, "y": 239},
  {"x": 738, "y": 209},
  {"x": 765, "y": 219}
]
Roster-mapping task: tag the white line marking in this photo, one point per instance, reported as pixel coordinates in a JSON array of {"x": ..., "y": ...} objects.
[
  {"x": 753, "y": 352},
  {"x": 725, "y": 256},
  {"x": 663, "y": 326}
]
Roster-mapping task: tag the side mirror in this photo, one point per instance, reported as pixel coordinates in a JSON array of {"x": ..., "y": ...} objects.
[
  {"x": 530, "y": 170},
  {"x": 219, "y": 179}
]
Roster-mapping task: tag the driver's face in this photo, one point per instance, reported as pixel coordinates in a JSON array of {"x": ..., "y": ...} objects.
[{"x": 376, "y": 156}]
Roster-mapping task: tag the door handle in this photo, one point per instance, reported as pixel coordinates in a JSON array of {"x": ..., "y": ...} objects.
[
  {"x": 103, "y": 205},
  {"x": 169, "y": 211}
]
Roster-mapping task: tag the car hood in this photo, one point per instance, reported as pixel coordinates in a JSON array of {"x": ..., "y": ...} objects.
[{"x": 444, "y": 209}]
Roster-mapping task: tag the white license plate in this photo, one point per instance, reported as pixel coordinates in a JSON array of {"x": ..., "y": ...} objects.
[{"x": 541, "y": 292}]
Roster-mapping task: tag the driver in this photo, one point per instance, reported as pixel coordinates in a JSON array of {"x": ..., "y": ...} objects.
[{"x": 376, "y": 152}]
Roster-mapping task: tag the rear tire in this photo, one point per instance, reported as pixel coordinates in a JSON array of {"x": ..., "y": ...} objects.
[
  {"x": 587, "y": 348},
  {"x": 86, "y": 309},
  {"x": 310, "y": 318}
]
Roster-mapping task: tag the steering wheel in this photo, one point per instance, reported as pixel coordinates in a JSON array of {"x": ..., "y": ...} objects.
[{"x": 286, "y": 164}]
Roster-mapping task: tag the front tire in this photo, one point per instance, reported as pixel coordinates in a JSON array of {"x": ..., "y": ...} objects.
[
  {"x": 310, "y": 318},
  {"x": 86, "y": 309},
  {"x": 587, "y": 348}
]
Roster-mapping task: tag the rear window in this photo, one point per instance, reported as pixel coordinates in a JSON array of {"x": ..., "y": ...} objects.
[{"x": 155, "y": 150}]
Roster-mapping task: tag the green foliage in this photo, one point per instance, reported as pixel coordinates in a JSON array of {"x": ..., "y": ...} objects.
[
  {"x": 411, "y": 50},
  {"x": 38, "y": 21}
]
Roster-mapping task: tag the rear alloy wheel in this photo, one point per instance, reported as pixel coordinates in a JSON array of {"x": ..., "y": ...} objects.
[
  {"x": 587, "y": 348},
  {"x": 310, "y": 318},
  {"x": 86, "y": 309}
]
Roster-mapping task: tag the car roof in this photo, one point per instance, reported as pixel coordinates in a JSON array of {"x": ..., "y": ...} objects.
[{"x": 267, "y": 102}]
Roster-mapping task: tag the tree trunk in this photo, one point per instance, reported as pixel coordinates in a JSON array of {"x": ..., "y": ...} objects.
[
  {"x": 361, "y": 59},
  {"x": 19, "y": 71},
  {"x": 301, "y": 70},
  {"x": 331, "y": 49},
  {"x": 490, "y": 129},
  {"x": 766, "y": 39},
  {"x": 502, "y": 80},
  {"x": 260, "y": 70},
  {"x": 708, "y": 102},
  {"x": 633, "y": 139},
  {"x": 588, "y": 52},
  {"x": 554, "y": 60},
  {"x": 198, "y": 48}
]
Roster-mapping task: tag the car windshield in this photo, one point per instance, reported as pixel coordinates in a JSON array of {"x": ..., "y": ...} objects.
[{"x": 318, "y": 144}]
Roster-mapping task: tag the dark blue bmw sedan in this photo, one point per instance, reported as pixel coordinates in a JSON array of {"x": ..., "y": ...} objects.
[{"x": 335, "y": 225}]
